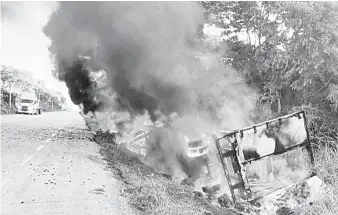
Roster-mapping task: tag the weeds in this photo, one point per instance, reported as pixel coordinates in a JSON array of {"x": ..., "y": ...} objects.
[
  {"x": 326, "y": 158},
  {"x": 152, "y": 192}
]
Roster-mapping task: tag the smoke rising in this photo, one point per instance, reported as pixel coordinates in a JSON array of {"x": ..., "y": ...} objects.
[
  {"x": 152, "y": 64},
  {"x": 144, "y": 49},
  {"x": 139, "y": 45}
]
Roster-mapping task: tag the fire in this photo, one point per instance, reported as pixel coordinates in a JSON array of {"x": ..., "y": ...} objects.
[
  {"x": 152, "y": 68},
  {"x": 172, "y": 147}
]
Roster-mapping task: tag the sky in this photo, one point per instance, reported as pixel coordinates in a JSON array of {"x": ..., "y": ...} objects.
[{"x": 23, "y": 43}]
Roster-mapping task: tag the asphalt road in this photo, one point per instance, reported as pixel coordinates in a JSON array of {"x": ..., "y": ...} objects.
[{"x": 49, "y": 166}]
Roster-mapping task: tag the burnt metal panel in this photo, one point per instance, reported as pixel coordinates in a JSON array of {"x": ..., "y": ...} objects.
[{"x": 253, "y": 157}]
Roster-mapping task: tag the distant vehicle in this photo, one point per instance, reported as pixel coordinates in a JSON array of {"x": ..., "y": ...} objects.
[{"x": 28, "y": 103}]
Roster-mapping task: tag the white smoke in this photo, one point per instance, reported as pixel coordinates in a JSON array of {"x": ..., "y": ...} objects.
[{"x": 23, "y": 43}]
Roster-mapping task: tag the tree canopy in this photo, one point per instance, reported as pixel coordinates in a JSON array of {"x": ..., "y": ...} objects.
[
  {"x": 288, "y": 50},
  {"x": 14, "y": 78}
]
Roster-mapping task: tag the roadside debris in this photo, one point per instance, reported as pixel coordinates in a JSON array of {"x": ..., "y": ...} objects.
[
  {"x": 286, "y": 200},
  {"x": 274, "y": 179}
]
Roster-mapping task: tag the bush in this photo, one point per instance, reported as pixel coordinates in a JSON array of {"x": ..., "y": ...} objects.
[{"x": 5, "y": 108}]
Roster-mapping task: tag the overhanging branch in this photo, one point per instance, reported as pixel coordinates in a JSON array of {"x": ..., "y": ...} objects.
[{"x": 325, "y": 85}]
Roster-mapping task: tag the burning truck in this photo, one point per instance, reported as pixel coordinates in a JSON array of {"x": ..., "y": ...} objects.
[
  {"x": 149, "y": 67},
  {"x": 251, "y": 164}
]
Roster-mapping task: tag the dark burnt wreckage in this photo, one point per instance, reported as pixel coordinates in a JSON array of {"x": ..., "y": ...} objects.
[
  {"x": 266, "y": 157},
  {"x": 245, "y": 164}
]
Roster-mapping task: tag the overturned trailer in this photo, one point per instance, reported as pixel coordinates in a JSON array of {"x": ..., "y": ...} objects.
[
  {"x": 266, "y": 157},
  {"x": 250, "y": 163}
]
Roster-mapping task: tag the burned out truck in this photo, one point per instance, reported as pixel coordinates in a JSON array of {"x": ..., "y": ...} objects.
[{"x": 252, "y": 163}]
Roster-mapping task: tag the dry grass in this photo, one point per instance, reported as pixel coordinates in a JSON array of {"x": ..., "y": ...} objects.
[
  {"x": 151, "y": 192},
  {"x": 327, "y": 169}
]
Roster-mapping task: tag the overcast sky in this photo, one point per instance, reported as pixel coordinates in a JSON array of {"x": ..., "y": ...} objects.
[{"x": 23, "y": 44}]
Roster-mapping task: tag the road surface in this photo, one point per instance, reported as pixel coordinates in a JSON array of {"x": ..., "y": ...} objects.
[{"x": 49, "y": 166}]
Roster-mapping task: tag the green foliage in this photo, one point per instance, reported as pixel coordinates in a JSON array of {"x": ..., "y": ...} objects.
[
  {"x": 13, "y": 78},
  {"x": 288, "y": 50},
  {"x": 5, "y": 107}
]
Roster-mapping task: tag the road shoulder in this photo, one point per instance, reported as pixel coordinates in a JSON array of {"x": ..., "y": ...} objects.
[{"x": 149, "y": 191}]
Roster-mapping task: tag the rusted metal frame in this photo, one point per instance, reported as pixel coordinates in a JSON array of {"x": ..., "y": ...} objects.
[
  {"x": 246, "y": 190},
  {"x": 240, "y": 184},
  {"x": 225, "y": 171},
  {"x": 305, "y": 143},
  {"x": 265, "y": 123}
]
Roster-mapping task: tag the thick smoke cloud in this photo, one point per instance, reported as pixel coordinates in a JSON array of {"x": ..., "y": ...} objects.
[
  {"x": 140, "y": 45},
  {"x": 151, "y": 64},
  {"x": 80, "y": 86}
]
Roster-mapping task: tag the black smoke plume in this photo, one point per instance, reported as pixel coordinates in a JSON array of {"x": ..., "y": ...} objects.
[
  {"x": 140, "y": 45},
  {"x": 79, "y": 84},
  {"x": 152, "y": 66},
  {"x": 146, "y": 50}
]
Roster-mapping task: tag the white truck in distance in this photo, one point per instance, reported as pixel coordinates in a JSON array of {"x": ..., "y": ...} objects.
[{"x": 28, "y": 103}]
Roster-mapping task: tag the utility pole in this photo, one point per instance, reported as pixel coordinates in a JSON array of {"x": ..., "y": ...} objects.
[
  {"x": 52, "y": 105},
  {"x": 10, "y": 94}
]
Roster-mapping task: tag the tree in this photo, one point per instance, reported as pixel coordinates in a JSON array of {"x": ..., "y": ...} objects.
[
  {"x": 11, "y": 78},
  {"x": 15, "y": 78},
  {"x": 290, "y": 51}
]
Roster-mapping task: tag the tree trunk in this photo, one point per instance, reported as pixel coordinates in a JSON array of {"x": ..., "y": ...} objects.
[
  {"x": 279, "y": 105},
  {"x": 10, "y": 95}
]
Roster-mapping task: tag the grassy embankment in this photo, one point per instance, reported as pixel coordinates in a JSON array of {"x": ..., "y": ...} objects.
[{"x": 151, "y": 192}]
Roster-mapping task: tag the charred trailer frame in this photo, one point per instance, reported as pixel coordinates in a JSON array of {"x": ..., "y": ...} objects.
[{"x": 234, "y": 162}]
